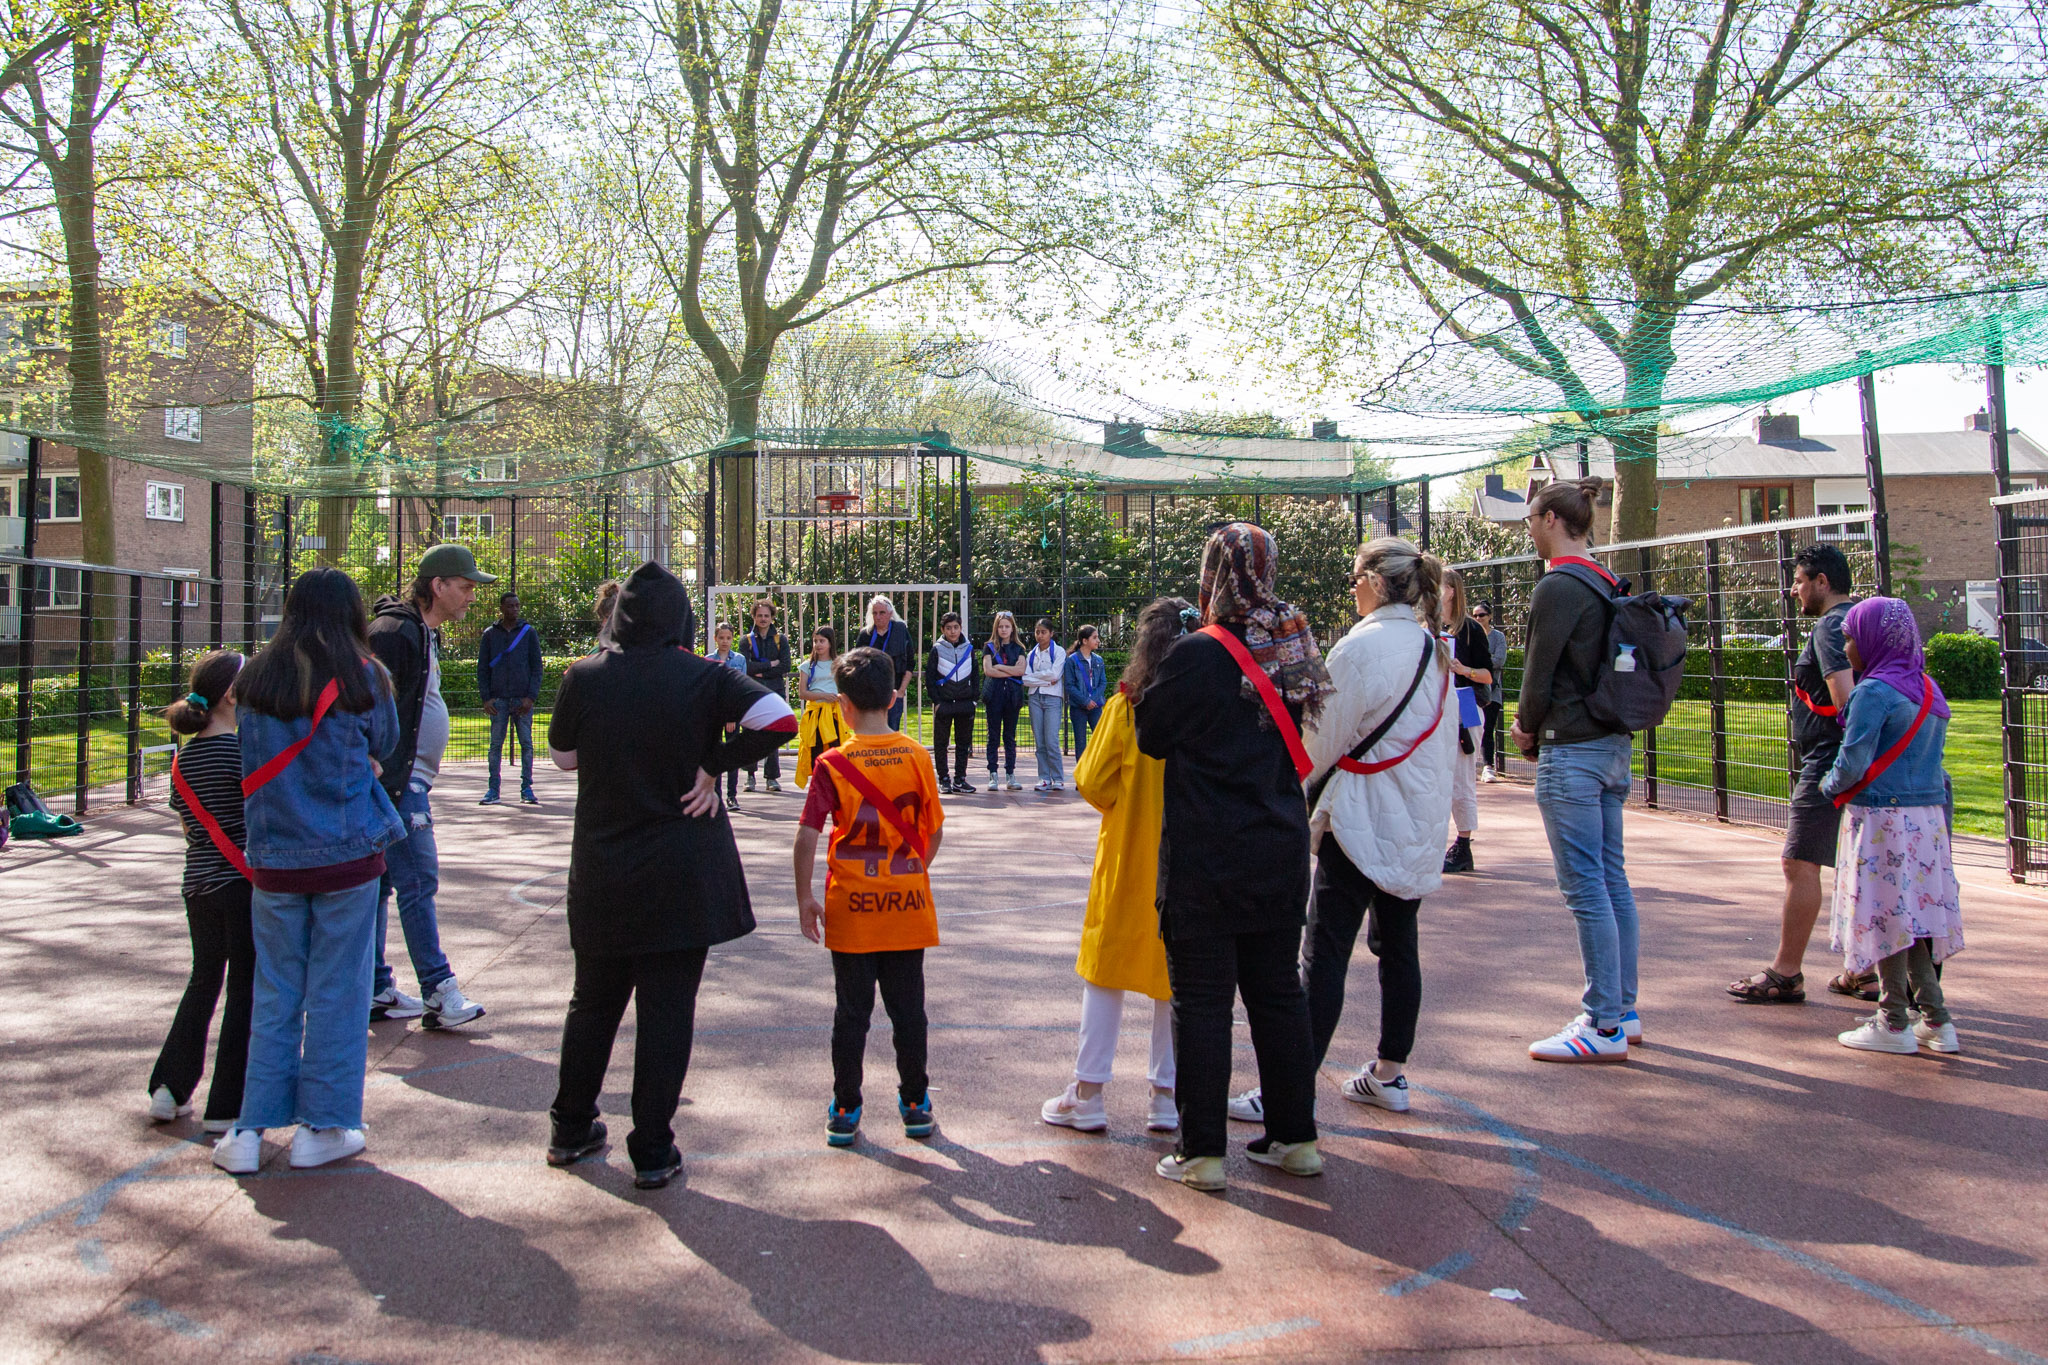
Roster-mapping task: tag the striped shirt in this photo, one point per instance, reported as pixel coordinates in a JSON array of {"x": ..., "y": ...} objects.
[{"x": 213, "y": 766}]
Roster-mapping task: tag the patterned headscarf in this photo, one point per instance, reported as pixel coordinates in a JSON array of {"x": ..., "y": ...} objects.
[
  {"x": 1239, "y": 565},
  {"x": 1888, "y": 646}
]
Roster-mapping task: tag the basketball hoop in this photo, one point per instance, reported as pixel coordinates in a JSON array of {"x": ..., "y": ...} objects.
[{"x": 838, "y": 502}]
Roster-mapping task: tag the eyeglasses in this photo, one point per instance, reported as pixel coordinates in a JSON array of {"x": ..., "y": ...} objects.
[
  {"x": 1354, "y": 579},
  {"x": 1482, "y": 615}
]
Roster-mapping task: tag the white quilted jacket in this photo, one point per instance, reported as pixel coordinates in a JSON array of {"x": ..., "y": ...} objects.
[{"x": 1391, "y": 824}]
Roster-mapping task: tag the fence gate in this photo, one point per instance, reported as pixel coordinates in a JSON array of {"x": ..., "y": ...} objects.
[
  {"x": 2023, "y": 709},
  {"x": 802, "y": 608}
]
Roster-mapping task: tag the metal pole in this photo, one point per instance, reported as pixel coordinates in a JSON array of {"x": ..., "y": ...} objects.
[
  {"x": 1649, "y": 735},
  {"x": 1258, "y": 510},
  {"x": 25, "y": 579},
  {"x": 1717, "y": 705},
  {"x": 1585, "y": 458},
  {"x": 218, "y": 613},
  {"x": 1063, "y": 564},
  {"x": 1358, "y": 516},
  {"x": 284, "y": 561},
  {"x": 134, "y": 689},
  {"x": 512, "y": 538},
  {"x": 1422, "y": 513},
  {"x": 1873, "y": 475},
  {"x": 2001, "y": 435},
  {"x": 85, "y": 628},
  {"x": 1786, "y": 628},
  {"x": 966, "y": 532},
  {"x": 1393, "y": 509},
  {"x": 249, "y": 570},
  {"x": 1152, "y": 534},
  {"x": 2012, "y": 696},
  {"x": 606, "y": 525}
]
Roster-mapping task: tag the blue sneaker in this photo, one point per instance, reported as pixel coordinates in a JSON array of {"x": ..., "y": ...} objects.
[
  {"x": 842, "y": 1126},
  {"x": 917, "y": 1118},
  {"x": 490, "y": 799}
]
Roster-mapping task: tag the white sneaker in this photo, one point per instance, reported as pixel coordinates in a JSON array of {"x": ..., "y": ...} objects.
[
  {"x": 216, "y": 1127},
  {"x": 1366, "y": 1088},
  {"x": 1068, "y": 1110},
  {"x": 1579, "y": 1041},
  {"x": 1195, "y": 1172},
  {"x": 1295, "y": 1158},
  {"x": 163, "y": 1108},
  {"x": 393, "y": 1003},
  {"x": 1942, "y": 1039},
  {"x": 1250, "y": 1107},
  {"x": 448, "y": 1006},
  {"x": 1486, "y": 774},
  {"x": 1875, "y": 1035},
  {"x": 318, "y": 1146},
  {"x": 1164, "y": 1116},
  {"x": 1042, "y": 787},
  {"x": 240, "y": 1152},
  {"x": 1631, "y": 1026}
]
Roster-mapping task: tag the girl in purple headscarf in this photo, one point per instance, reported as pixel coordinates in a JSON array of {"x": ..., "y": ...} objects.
[{"x": 1896, "y": 899}]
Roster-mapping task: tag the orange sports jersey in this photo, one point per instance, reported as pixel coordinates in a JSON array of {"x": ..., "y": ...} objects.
[{"x": 878, "y": 895}]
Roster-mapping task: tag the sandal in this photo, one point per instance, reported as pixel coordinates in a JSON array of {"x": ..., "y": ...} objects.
[
  {"x": 1769, "y": 987},
  {"x": 1858, "y": 985}
]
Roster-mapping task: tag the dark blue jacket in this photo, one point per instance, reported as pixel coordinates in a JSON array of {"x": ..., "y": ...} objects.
[
  {"x": 508, "y": 664},
  {"x": 1087, "y": 680}
]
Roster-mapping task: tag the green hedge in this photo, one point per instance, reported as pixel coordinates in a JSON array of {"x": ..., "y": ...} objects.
[{"x": 1965, "y": 667}]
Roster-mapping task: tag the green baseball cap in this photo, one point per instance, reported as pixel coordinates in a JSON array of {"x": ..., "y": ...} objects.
[{"x": 453, "y": 561}]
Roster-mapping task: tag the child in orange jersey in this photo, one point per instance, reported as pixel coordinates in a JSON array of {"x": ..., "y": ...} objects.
[{"x": 881, "y": 794}]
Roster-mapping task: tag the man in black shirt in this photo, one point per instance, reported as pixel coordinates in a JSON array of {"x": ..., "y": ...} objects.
[
  {"x": 1820, "y": 691},
  {"x": 767, "y": 654}
]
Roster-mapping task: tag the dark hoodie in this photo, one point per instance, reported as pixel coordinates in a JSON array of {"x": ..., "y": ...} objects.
[
  {"x": 398, "y": 637},
  {"x": 643, "y": 715}
]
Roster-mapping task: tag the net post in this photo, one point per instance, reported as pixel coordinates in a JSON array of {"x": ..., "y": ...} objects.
[
  {"x": 2001, "y": 439},
  {"x": 1873, "y": 475},
  {"x": 2012, "y": 707},
  {"x": 284, "y": 558},
  {"x": 1648, "y": 584},
  {"x": 1422, "y": 513},
  {"x": 1152, "y": 534},
  {"x": 217, "y": 613},
  {"x": 249, "y": 570},
  {"x": 83, "y": 759},
  {"x": 1393, "y": 509},
  {"x": 1786, "y": 625},
  {"x": 1717, "y": 703},
  {"x": 1063, "y": 561},
  {"x": 24, "y": 667},
  {"x": 134, "y": 688},
  {"x": 512, "y": 540}
]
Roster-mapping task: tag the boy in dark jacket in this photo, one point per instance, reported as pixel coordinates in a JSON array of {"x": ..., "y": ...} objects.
[
  {"x": 949, "y": 678},
  {"x": 767, "y": 653},
  {"x": 508, "y": 679},
  {"x": 405, "y": 637}
]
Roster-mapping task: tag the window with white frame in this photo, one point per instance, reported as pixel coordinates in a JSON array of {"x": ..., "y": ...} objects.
[
  {"x": 468, "y": 525},
  {"x": 163, "y": 501},
  {"x": 494, "y": 470},
  {"x": 56, "y": 497},
  {"x": 60, "y": 593},
  {"x": 1842, "y": 497},
  {"x": 182, "y": 424},
  {"x": 182, "y": 588},
  {"x": 168, "y": 337}
]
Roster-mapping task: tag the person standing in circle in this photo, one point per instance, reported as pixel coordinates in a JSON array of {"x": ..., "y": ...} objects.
[
  {"x": 1497, "y": 651},
  {"x": 767, "y": 655},
  {"x": 1087, "y": 678},
  {"x": 655, "y": 879},
  {"x": 1471, "y": 661},
  {"x": 508, "y": 677},
  {"x": 1120, "y": 946},
  {"x": 887, "y": 633},
  {"x": 949, "y": 680},
  {"x": 1582, "y": 772},
  {"x": 1224, "y": 714},
  {"x": 1045, "y": 685},
  {"x": 823, "y": 724},
  {"x": 1002, "y": 696}
]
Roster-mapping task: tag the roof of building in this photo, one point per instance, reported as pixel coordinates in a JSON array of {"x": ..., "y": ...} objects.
[{"x": 1906, "y": 455}]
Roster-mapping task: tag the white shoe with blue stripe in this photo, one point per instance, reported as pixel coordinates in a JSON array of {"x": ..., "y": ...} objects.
[
  {"x": 1631, "y": 1026},
  {"x": 1579, "y": 1041}
]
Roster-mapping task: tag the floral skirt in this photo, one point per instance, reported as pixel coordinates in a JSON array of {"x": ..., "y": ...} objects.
[{"x": 1894, "y": 882}]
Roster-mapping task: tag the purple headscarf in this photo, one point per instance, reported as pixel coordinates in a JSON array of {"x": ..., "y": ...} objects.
[{"x": 1888, "y": 645}]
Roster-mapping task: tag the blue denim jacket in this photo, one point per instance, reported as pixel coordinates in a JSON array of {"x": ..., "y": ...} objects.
[
  {"x": 328, "y": 806},
  {"x": 1086, "y": 679},
  {"x": 1877, "y": 716}
]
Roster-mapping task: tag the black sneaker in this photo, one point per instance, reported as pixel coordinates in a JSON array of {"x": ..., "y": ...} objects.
[
  {"x": 963, "y": 787},
  {"x": 842, "y": 1126},
  {"x": 654, "y": 1177},
  {"x": 1459, "y": 857},
  {"x": 732, "y": 803},
  {"x": 568, "y": 1152},
  {"x": 527, "y": 798},
  {"x": 946, "y": 788},
  {"x": 917, "y": 1118}
]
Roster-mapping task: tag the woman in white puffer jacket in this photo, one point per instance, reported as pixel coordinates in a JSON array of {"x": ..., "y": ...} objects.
[{"x": 1378, "y": 835}]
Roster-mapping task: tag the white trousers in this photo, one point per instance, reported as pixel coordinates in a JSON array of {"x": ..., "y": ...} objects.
[
  {"x": 1102, "y": 1017},
  {"x": 1465, "y": 786}
]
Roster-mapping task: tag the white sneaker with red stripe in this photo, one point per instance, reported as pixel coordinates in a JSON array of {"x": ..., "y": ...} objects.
[{"x": 1579, "y": 1041}]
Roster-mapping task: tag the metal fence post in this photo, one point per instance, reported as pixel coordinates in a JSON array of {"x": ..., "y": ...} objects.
[
  {"x": 512, "y": 539},
  {"x": 1717, "y": 705},
  {"x": 284, "y": 562},
  {"x": 249, "y": 570},
  {"x": 2001, "y": 437},
  {"x": 25, "y": 580},
  {"x": 218, "y": 612},
  {"x": 1422, "y": 513},
  {"x": 1648, "y": 577},
  {"x": 1063, "y": 564},
  {"x": 134, "y": 689},
  {"x": 1358, "y": 516},
  {"x": 86, "y": 616},
  {"x": 1873, "y": 477},
  {"x": 1152, "y": 533},
  {"x": 1393, "y": 509},
  {"x": 1786, "y": 628},
  {"x": 2012, "y": 696}
]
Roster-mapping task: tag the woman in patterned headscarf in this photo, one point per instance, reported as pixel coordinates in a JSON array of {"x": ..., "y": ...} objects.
[{"x": 1234, "y": 868}]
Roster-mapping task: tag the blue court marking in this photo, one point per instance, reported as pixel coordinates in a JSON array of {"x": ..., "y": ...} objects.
[
  {"x": 90, "y": 1205},
  {"x": 149, "y": 1310},
  {"x": 1245, "y": 1335},
  {"x": 1423, "y": 1279}
]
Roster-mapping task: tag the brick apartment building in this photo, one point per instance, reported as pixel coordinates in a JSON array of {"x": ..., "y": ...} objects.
[{"x": 1938, "y": 487}]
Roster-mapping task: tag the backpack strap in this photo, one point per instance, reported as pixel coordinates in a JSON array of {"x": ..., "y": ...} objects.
[
  {"x": 1352, "y": 762},
  {"x": 1891, "y": 755},
  {"x": 840, "y": 765},
  {"x": 1269, "y": 694},
  {"x": 1831, "y": 712},
  {"x": 262, "y": 777},
  {"x": 208, "y": 823}
]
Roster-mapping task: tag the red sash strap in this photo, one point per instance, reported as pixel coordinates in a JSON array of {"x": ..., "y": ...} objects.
[
  {"x": 261, "y": 777},
  {"x": 208, "y": 823},
  {"x": 1351, "y": 765},
  {"x": 1891, "y": 755},
  {"x": 1269, "y": 694},
  {"x": 1584, "y": 562},
  {"x": 837, "y": 761},
  {"x": 1813, "y": 705}
]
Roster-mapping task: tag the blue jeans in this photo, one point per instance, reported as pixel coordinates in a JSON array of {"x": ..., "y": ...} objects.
[
  {"x": 1084, "y": 725},
  {"x": 412, "y": 868},
  {"x": 1580, "y": 789},
  {"x": 308, "y": 1038},
  {"x": 896, "y": 714},
  {"x": 1045, "y": 734},
  {"x": 522, "y": 727}
]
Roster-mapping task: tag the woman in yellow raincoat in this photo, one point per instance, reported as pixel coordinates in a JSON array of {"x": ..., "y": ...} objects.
[
  {"x": 822, "y": 727},
  {"x": 1120, "y": 946}
]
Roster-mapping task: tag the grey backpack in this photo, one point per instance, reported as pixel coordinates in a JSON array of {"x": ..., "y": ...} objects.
[{"x": 1645, "y": 657}]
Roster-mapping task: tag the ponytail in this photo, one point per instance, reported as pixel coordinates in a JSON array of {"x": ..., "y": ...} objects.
[
  {"x": 1407, "y": 577},
  {"x": 206, "y": 687},
  {"x": 1573, "y": 503}
]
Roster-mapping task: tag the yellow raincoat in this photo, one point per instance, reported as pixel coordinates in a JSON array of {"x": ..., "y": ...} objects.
[
  {"x": 822, "y": 726},
  {"x": 1120, "y": 945}
]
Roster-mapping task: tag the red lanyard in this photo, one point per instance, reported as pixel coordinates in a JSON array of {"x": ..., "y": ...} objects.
[
  {"x": 1891, "y": 755},
  {"x": 253, "y": 783},
  {"x": 1351, "y": 765},
  {"x": 1588, "y": 563},
  {"x": 1269, "y": 694},
  {"x": 1813, "y": 705}
]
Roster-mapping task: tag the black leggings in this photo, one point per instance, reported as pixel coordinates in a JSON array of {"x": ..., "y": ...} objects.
[
  {"x": 1002, "y": 721},
  {"x": 1342, "y": 899},
  {"x": 666, "y": 986},
  {"x": 221, "y": 946},
  {"x": 900, "y": 974},
  {"x": 1489, "y": 738},
  {"x": 960, "y": 730}
]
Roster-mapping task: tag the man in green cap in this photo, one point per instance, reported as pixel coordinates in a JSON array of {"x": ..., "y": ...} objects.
[{"x": 406, "y": 637}]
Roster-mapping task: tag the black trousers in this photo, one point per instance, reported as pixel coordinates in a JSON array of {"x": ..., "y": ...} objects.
[
  {"x": 1489, "y": 737},
  {"x": 221, "y": 946},
  {"x": 1207, "y": 972},
  {"x": 900, "y": 974},
  {"x": 770, "y": 767},
  {"x": 1342, "y": 899},
  {"x": 665, "y": 1013},
  {"x": 1002, "y": 723},
  {"x": 959, "y": 729}
]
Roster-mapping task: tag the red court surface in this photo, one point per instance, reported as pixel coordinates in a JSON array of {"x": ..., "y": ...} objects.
[{"x": 1743, "y": 1189}]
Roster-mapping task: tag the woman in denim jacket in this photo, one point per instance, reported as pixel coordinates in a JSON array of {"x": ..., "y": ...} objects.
[
  {"x": 1897, "y": 905},
  {"x": 318, "y": 827}
]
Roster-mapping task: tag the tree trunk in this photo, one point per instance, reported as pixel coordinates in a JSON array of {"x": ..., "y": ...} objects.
[
  {"x": 340, "y": 397},
  {"x": 75, "y": 180},
  {"x": 738, "y": 484},
  {"x": 1636, "y": 494}
]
